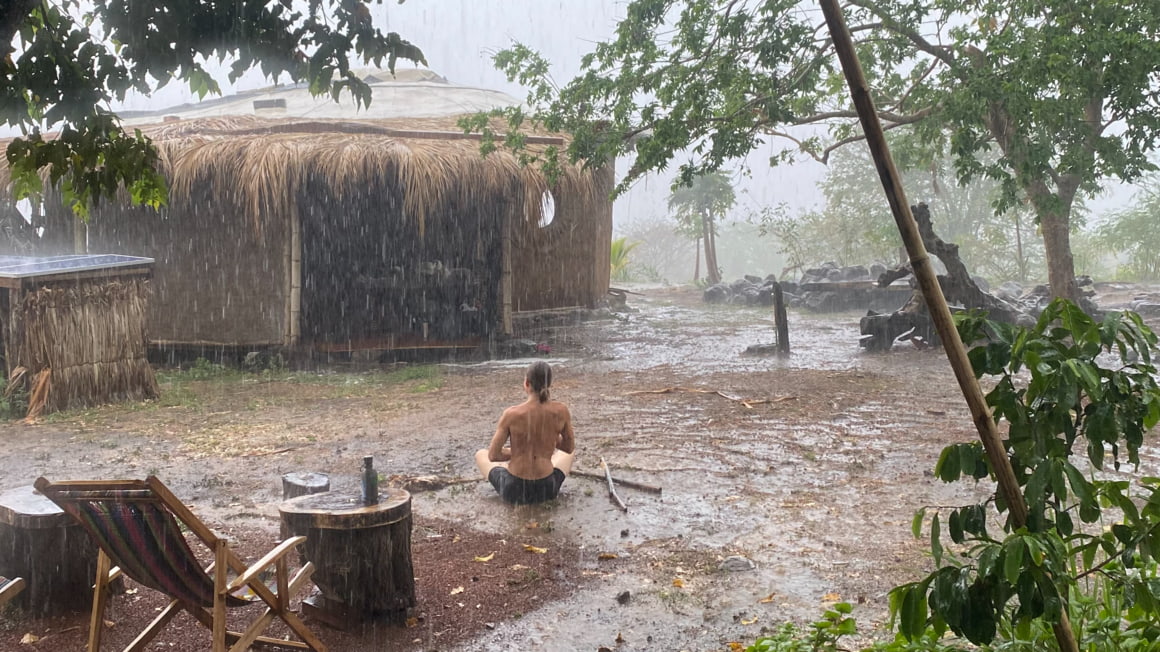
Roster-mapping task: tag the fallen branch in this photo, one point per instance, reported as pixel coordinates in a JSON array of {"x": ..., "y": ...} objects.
[
  {"x": 274, "y": 452},
  {"x": 747, "y": 402},
  {"x": 427, "y": 482},
  {"x": 650, "y": 488},
  {"x": 611, "y": 489},
  {"x": 639, "y": 294}
]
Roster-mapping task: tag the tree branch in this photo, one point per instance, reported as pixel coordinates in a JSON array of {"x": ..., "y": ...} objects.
[
  {"x": 896, "y": 119},
  {"x": 824, "y": 157},
  {"x": 906, "y": 94},
  {"x": 13, "y": 13},
  {"x": 938, "y": 51}
]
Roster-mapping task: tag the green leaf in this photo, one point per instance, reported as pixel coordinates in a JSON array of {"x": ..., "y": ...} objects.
[
  {"x": 1013, "y": 559},
  {"x": 956, "y": 527},
  {"x": 947, "y": 468},
  {"x": 913, "y": 613},
  {"x": 916, "y": 522},
  {"x": 936, "y": 547}
]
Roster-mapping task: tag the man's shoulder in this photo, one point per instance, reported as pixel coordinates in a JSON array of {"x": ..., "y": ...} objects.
[{"x": 515, "y": 410}]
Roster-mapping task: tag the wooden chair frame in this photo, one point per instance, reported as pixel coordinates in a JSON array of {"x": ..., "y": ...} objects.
[
  {"x": 10, "y": 588},
  {"x": 225, "y": 560}
]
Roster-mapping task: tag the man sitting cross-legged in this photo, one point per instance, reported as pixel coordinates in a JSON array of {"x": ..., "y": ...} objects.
[{"x": 542, "y": 446}]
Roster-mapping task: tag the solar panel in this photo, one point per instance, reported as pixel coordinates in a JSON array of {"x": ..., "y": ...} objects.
[{"x": 32, "y": 266}]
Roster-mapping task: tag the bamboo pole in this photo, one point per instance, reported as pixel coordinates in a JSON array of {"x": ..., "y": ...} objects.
[
  {"x": 505, "y": 277},
  {"x": 288, "y": 280},
  {"x": 295, "y": 325},
  {"x": 931, "y": 291}
]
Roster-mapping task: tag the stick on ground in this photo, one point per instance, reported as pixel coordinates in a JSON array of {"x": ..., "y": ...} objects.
[
  {"x": 631, "y": 484},
  {"x": 611, "y": 489}
]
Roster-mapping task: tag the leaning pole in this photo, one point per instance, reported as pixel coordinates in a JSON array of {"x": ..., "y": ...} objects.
[{"x": 928, "y": 283}]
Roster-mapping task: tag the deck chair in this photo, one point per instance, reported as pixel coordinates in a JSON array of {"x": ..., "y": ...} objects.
[
  {"x": 137, "y": 524},
  {"x": 10, "y": 588}
]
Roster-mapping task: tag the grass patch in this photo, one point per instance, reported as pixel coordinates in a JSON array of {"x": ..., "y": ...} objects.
[
  {"x": 202, "y": 384},
  {"x": 180, "y": 387}
]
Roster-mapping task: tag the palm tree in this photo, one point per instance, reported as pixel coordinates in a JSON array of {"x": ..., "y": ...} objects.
[
  {"x": 620, "y": 249},
  {"x": 698, "y": 207}
]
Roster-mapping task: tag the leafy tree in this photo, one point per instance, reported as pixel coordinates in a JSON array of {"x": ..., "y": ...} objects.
[
  {"x": 63, "y": 63},
  {"x": 1133, "y": 236},
  {"x": 698, "y": 206},
  {"x": 855, "y": 225},
  {"x": 1060, "y": 93}
]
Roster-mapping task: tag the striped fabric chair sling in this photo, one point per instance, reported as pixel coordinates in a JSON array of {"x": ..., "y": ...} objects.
[{"x": 137, "y": 526}]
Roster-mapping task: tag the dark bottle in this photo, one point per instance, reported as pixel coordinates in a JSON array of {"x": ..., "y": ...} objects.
[{"x": 370, "y": 481}]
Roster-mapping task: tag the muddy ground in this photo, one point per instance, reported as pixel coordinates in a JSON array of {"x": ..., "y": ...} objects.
[{"x": 815, "y": 480}]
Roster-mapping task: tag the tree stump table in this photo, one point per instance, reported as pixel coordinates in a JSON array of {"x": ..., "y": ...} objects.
[
  {"x": 361, "y": 555},
  {"x": 50, "y": 550}
]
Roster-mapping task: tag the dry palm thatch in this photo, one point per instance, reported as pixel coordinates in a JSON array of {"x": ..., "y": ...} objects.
[
  {"x": 261, "y": 164},
  {"x": 83, "y": 343}
]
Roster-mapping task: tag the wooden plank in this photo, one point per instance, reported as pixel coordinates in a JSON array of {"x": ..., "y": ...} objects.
[
  {"x": 112, "y": 272},
  {"x": 394, "y": 343}
]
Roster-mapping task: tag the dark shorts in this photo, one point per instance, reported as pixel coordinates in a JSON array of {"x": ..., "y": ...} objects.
[{"x": 525, "y": 492}]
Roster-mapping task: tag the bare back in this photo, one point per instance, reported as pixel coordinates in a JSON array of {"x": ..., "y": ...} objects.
[{"x": 535, "y": 431}]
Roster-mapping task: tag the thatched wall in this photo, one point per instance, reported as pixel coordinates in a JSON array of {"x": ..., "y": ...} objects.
[
  {"x": 216, "y": 279},
  {"x": 81, "y": 343},
  {"x": 565, "y": 263}
]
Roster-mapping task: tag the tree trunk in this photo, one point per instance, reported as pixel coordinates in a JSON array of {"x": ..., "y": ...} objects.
[
  {"x": 1060, "y": 266},
  {"x": 361, "y": 555},
  {"x": 1022, "y": 262},
  {"x": 697, "y": 263},
  {"x": 712, "y": 271}
]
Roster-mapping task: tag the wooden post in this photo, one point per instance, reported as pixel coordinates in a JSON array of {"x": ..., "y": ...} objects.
[
  {"x": 295, "y": 325},
  {"x": 780, "y": 320},
  {"x": 505, "y": 282},
  {"x": 80, "y": 237},
  {"x": 931, "y": 292}
]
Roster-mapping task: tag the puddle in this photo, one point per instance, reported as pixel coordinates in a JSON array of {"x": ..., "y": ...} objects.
[{"x": 711, "y": 338}]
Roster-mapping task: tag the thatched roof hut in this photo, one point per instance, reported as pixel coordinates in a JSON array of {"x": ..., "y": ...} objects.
[{"x": 352, "y": 234}]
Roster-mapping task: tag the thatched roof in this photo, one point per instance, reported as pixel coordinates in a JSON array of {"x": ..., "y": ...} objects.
[{"x": 261, "y": 163}]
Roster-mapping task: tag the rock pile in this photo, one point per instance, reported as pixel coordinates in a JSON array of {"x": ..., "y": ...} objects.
[
  {"x": 746, "y": 291},
  {"x": 827, "y": 288}
]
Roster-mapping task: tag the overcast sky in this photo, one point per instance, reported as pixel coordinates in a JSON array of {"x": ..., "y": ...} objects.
[{"x": 459, "y": 37}]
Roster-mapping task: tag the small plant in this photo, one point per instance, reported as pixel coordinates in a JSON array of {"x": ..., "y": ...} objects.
[
  {"x": 14, "y": 403},
  {"x": 1067, "y": 388},
  {"x": 619, "y": 258}
]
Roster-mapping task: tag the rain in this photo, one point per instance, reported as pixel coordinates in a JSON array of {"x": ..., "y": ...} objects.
[{"x": 335, "y": 322}]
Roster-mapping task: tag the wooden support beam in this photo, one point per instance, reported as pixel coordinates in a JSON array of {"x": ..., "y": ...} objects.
[{"x": 931, "y": 291}]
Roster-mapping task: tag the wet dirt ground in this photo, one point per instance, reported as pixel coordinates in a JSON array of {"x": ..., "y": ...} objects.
[{"x": 810, "y": 466}]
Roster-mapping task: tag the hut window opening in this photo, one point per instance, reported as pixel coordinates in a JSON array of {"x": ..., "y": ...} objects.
[{"x": 547, "y": 209}]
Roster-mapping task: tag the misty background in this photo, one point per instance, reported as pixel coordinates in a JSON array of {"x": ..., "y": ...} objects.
[{"x": 459, "y": 38}]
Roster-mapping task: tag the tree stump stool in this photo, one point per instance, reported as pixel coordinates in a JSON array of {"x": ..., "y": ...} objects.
[
  {"x": 303, "y": 483},
  {"x": 50, "y": 550},
  {"x": 361, "y": 555}
]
